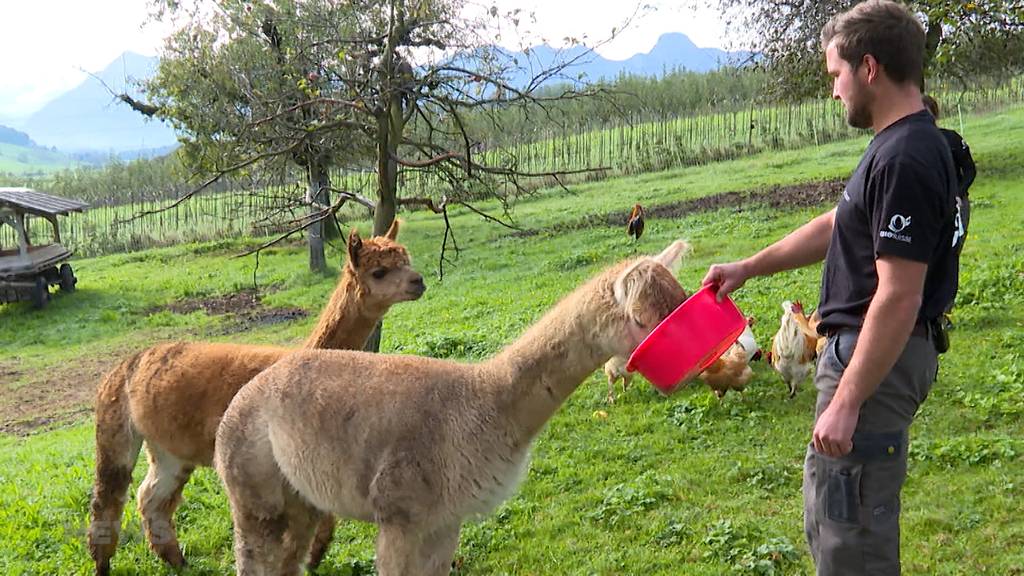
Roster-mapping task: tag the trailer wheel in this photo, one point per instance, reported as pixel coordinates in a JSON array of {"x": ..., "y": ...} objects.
[
  {"x": 52, "y": 275},
  {"x": 67, "y": 278},
  {"x": 41, "y": 293}
]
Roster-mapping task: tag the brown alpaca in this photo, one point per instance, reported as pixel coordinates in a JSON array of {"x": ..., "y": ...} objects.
[
  {"x": 416, "y": 444},
  {"x": 172, "y": 396}
]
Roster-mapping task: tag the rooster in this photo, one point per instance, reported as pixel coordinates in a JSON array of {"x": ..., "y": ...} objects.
[
  {"x": 615, "y": 369},
  {"x": 732, "y": 370},
  {"x": 635, "y": 224},
  {"x": 794, "y": 346}
]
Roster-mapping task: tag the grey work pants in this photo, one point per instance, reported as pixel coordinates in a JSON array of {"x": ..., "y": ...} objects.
[{"x": 852, "y": 504}]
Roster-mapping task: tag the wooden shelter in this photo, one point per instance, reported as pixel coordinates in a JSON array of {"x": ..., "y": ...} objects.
[{"x": 27, "y": 270}]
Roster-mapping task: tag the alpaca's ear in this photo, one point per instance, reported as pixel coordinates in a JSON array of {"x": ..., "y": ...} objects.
[
  {"x": 647, "y": 292},
  {"x": 392, "y": 232},
  {"x": 672, "y": 256},
  {"x": 627, "y": 288},
  {"x": 355, "y": 244}
]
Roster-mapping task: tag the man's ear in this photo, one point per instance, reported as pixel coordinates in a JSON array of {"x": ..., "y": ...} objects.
[
  {"x": 871, "y": 67},
  {"x": 355, "y": 244},
  {"x": 392, "y": 232}
]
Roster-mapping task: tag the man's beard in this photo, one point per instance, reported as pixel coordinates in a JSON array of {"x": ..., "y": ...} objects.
[{"x": 858, "y": 111}]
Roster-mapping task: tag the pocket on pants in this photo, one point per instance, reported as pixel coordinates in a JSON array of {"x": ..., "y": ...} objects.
[{"x": 842, "y": 494}]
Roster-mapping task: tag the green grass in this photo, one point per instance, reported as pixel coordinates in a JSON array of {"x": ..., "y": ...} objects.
[
  {"x": 677, "y": 485},
  {"x": 25, "y": 160}
]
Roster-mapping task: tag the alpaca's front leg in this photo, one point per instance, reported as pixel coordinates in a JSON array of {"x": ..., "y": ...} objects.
[
  {"x": 405, "y": 551},
  {"x": 303, "y": 520},
  {"x": 321, "y": 541},
  {"x": 397, "y": 551},
  {"x": 438, "y": 551},
  {"x": 258, "y": 540}
]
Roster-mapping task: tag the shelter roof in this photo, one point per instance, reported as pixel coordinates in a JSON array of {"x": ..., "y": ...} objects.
[{"x": 29, "y": 200}]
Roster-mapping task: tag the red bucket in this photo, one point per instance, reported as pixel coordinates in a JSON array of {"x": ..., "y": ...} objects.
[{"x": 688, "y": 340}]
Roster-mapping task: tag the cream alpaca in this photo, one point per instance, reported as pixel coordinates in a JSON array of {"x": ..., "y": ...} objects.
[{"x": 413, "y": 444}]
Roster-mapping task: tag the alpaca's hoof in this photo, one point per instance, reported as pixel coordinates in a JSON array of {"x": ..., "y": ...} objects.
[{"x": 173, "y": 556}]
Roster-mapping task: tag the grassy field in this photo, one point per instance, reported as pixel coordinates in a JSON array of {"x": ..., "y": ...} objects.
[
  {"x": 35, "y": 161},
  {"x": 680, "y": 485}
]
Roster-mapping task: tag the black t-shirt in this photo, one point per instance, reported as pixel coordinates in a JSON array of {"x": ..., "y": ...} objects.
[{"x": 900, "y": 202}]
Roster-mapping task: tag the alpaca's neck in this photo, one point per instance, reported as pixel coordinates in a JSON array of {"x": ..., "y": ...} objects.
[
  {"x": 346, "y": 321},
  {"x": 544, "y": 366}
]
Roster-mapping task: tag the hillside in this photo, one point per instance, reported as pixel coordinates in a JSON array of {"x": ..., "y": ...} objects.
[
  {"x": 31, "y": 160},
  {"x": 652, "y": 485},
  {"x": 9, "y": 135}
]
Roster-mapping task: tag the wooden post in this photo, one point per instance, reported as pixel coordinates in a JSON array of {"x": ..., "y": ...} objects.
[
  {"x": 23, "y": 241},
  {"x": 56, "y": 229}
]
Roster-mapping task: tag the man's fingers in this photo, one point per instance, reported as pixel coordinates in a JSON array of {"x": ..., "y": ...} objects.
[
  {"x": 712, "y": 277},
  {"x": 845, "y": 448}
]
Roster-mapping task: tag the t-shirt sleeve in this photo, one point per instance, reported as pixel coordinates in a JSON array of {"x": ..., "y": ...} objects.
[{"x": 908, "y": 216}]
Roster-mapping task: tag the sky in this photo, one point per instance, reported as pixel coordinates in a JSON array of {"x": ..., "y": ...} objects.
[{"x": 49, "y": 44}]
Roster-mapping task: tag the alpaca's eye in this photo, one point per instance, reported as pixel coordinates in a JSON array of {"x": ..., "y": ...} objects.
[{"x": 380, "y": 273}]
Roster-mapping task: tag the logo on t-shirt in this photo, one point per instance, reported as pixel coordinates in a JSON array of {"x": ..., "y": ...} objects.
[{"x": 897, "y": 224}]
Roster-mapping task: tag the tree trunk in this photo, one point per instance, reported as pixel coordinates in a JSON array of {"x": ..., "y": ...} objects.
[
  {"x": 390, "y": 127},
  {"x": 373, "y": 342},
  {"x": 387, "y": 174},
  {"x": 933, "y": 36},
  {"x": 319, "y": 183}
]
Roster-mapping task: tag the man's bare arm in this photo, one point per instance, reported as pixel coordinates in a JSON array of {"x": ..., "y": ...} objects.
[{"x": 801, "y": 247}]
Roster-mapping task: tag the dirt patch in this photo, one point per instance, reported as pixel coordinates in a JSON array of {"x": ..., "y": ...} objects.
[
  {"x": 244, "y": 307},
  {"x": 65, "y": 394},
  {"x": 8, "y": 372},
  {"x": 60, "y": 395},
  {"x": 778, "y": 197}
]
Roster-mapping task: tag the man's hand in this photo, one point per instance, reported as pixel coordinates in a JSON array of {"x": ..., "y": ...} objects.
[
  {"x": 727, "y": 277},
  {"x": 833, "y": 434}
]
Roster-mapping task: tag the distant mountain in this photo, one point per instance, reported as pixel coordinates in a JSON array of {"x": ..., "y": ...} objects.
[
  {"x": 11, "y": 136},
  {"x": 99, "y": 157},
  {"x": 676, "y": 50},
  {"x": 88, "y": 123},
  {"x": 671, "y": 52},
  {"x": 87, "y": 118}
]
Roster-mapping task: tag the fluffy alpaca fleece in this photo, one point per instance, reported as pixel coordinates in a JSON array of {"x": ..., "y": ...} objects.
[
  {"x": 416, "y": 445},
  {"x": 172, "y": 396}
]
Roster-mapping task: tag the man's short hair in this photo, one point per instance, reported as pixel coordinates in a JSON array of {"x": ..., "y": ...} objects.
[{"x": 886, "y": 30}]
